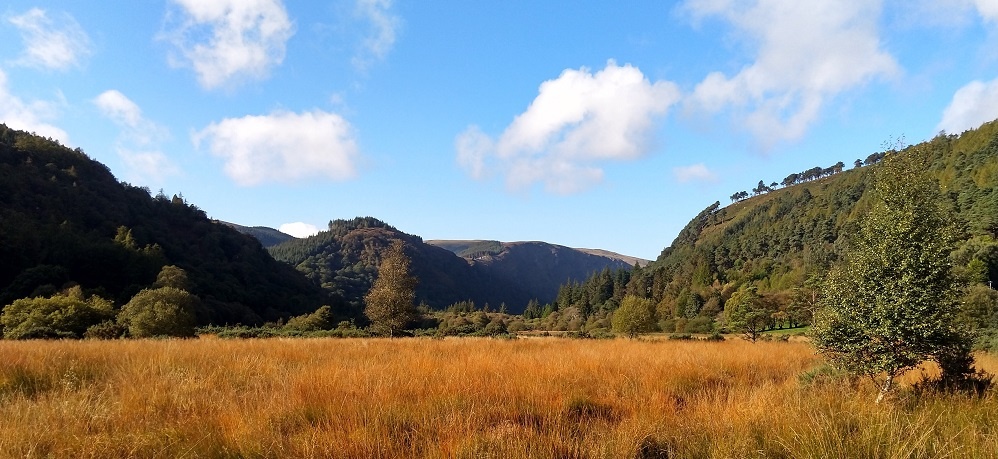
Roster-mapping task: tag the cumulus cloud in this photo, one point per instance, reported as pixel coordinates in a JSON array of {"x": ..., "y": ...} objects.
[
  {"x": 576, "y": 122},
  {"x": 57, "y": 44},
  {"x": 299, "y": 229},
  {"x": 384, "y": 28},
  {"x": 138, "y": 141},
  {"x": 694, "y": 172},
  {"x": 988, "y": 9},
  {"x": 283, "y": 146},
  {"x": 972, "y": 105},
  {"x": 31, "y": 116},
  {"x": 806, "y": 54},
  {"x": 226, "y": 41}
]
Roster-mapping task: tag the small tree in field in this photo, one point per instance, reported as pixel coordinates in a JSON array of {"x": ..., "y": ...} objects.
[
  {"x": 893, "y": 303},
  {"x": 746, "y": 313},
  {"x": 164, "y": 311},
  {"x": 390, "y": 302},
  {"x": 635, "y": 315}
]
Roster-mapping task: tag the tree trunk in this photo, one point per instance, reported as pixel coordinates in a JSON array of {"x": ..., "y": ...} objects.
[{"x": 884, "y": 390}]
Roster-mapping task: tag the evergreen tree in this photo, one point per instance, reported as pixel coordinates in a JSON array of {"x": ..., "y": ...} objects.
[
  {"x": 893, "y": 303},
  {"x": 390, "y": 302}
]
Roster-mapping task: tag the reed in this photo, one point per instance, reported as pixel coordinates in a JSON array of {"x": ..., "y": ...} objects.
[{"x": 354, "y": 398}]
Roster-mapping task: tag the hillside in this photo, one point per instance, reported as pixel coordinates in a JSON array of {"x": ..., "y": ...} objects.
[
  {"x": 268, "y": 237},
  {"x": 345, "y": 258},
  {"x": 477, "y": 248},
  {"x": 782, "y": 241},
  {"x": 64, "y": 218}
]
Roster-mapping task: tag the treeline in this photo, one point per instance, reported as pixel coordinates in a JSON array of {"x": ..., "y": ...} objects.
[{"x": 809, "y": 175}]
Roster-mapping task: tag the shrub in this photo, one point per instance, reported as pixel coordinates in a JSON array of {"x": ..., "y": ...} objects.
[
  {"x": 61, "y": 316},
  {"x": 165, "y": 311}
]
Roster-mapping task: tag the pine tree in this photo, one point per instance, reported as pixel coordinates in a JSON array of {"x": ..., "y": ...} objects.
[
  {"x": 893, "y": 303},
  {"x": 390, "y": 303}
]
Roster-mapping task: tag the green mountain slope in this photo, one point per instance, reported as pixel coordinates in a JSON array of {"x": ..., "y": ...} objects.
[
  {"x": 64, "y": 218},
  {"x": 781, "y": 242}
]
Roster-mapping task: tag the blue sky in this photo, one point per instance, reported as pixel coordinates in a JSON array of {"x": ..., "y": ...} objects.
[{"x": 587, "y": 124}]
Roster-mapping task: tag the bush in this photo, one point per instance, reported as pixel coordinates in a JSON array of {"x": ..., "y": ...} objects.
[
  {"x": 700, "y": 324},
  {"x": 321, "y": 319},
  {"x": 107, "y": 329},
  {"x": 165, "y": 311},
  {"x": 61, "y": 316}
]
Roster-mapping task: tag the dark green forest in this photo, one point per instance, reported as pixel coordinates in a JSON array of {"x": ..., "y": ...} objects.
[
  {"x": 773, "y": 249},
  {"x": 65, "y": 220}
]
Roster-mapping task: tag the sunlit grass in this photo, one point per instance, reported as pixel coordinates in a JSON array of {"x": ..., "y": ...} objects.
[{"x": 461, "y": 398}]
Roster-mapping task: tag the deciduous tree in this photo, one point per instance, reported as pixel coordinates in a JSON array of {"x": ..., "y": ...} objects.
[
  {"x": 893, "y": 303},
  {"x": 634, "y": 316},
  {"x": 390, "y": 302}
]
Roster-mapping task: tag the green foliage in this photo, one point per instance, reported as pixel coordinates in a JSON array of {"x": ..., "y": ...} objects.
[
  {"x": 65, "y": 218},
  {"x": 164, "y": 311},
  {"x": 390, "y": 302},
  {"x": 893, "y": 303},
  {"x": 321, "y": 319},
  {"x": 172, "y": 276},
  {"x": 634, "y": 316},
  {"x": 61, "y": 316},
  {"x": 747, "y": 313}
]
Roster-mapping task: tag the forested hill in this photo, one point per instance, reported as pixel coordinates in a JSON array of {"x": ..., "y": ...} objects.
[
  {"x": 782, "y": 241},
  {"x": 65, "y": 219},
  {"x": 344, "y": 260}
]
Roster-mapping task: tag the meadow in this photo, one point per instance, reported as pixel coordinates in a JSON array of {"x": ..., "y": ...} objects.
[{"x": 474, "y": 398}]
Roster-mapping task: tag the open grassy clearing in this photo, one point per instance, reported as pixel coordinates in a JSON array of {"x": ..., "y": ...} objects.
[{"x": 462, "y": 398}]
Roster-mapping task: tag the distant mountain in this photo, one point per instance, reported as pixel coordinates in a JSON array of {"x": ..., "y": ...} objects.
[
  {"x": 269, "y": 237},
  {"x": 344, "y": 261},
  {"x": 64, "y": 218},
  {"x": 476, "y": 247}
]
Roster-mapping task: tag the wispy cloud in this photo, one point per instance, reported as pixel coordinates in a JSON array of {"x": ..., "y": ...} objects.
[
  {"x": 299, "y": 229},
  {"x": 228, "y": 41},
  {"x": 805, "y": 54},
  {"x": 139, "y": 139},
  {"x": 694, "y": 172},
  {"x": 283, "y": 146},
  {"x": 384, "y": 25},
  {"x": 578, "y": 121},
  {"x": 57, "y": 43},
  {"x": 31, "y": 116}
]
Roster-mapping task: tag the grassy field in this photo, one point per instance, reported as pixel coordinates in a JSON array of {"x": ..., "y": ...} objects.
[{"x": 470, "y": 398}]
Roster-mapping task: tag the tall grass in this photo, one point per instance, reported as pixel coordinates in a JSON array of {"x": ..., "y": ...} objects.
[{"x": 462, "y": 398}]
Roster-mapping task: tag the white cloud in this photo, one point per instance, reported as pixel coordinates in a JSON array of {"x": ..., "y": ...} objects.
[
  {"x": 28, "y": 116},
  {"x": 50, "y": 44},
  {"x": 807, "y": 53},
  {"x": 576, "y": 122},
  {"x": 113, "y": 104},
  {"x": 972, "y": 105},
  {"x": 299, "y": 229},
  {"x": 988, "y": 9},
  {"x": 697, "y": 172},
  {"x": 226, "y": 41},
  {"x": 137, "y": 144},
  {"x": 384, "y": 29},
  {"x": 283, "y": 146}
]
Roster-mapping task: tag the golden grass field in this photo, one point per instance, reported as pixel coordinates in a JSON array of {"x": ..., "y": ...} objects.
[{"x": 538, "y": 398}]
